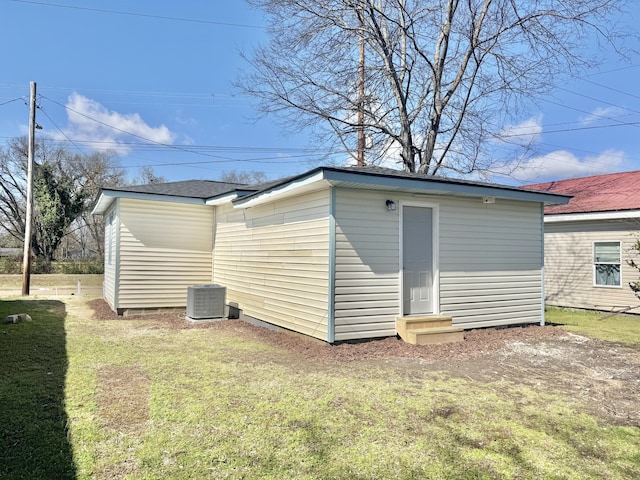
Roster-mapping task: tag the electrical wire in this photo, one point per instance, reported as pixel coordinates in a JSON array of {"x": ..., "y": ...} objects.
[
  {"x": 218, "y": 158},
  {"x": 622, "y": 92},
  {"x": 44, "y": 112},
  {"x": 144, "y": 15},
  {"x": 167, "y": 145},
  {"x": 202, "y": 150},
  {"x": 11, "y": 101}
]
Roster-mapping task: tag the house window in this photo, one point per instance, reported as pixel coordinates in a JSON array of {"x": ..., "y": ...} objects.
[{"x": 606, "y": 264}]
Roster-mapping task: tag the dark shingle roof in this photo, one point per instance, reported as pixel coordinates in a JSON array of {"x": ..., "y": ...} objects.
[
  {"x": 600, "y": 193},
  {"x": 376, "y": 171},
  {"x": 202, "y": 189},
  {"x": 368, "y": 175}
]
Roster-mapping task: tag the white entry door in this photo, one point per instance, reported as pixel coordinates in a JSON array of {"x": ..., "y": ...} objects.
[{"x": 417, "y": 260}]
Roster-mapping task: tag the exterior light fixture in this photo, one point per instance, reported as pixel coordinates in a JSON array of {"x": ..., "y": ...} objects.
[{"x": 391, "y": 205}]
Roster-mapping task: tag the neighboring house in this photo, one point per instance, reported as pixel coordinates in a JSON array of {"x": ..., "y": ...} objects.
[
  {"x": 589, "y": 240},
  {"x": 334, "y": 253}
]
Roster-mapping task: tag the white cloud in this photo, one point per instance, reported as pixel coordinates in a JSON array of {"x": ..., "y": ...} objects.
[
  {"x": 102, "y": 129},
  {"x": 523, "y": 133},
  {"x": 562, "y": 164},
  {"x": 601, "y": 113}
]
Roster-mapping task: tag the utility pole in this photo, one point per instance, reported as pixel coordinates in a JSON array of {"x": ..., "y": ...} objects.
[
  {"x": 26, "y": 266},
  {"x": 361, "y": 140}
]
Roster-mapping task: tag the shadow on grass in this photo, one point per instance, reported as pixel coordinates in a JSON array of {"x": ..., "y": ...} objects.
[{"x": 33, "y": 365}]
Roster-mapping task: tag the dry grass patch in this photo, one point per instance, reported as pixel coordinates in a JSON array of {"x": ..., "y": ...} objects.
[{"x": 123, "y": 395}]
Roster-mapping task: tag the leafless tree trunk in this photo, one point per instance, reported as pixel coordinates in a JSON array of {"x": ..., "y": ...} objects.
[
  {"x": 442, "y": 79},
  {"x": 86, "y": 172}
]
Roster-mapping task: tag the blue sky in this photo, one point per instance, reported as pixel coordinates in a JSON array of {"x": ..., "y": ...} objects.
[{"x": 162, "y": 70}]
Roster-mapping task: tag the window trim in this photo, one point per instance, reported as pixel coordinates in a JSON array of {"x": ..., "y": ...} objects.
[{"x": 595, "y": 264}]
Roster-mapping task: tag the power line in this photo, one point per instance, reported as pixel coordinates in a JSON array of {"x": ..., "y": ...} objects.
[
  {"x": 576, "y": 129},
  {"x": 288, "y": 151},
  {"x": 144, "y": 15},
  {"x": 612, "y": 89},
  {"x": 613, "y": 119},
  {"x": 597, "y": 99},
  {"x": 196, "y": 151},
  {"x": 167, "y": 145},
  {"x": 13, "y": 100},
  {"x": 148, "y": 140},
  {"x": 613, "y": 70},
  {"x": 44, "y": 112},
  {"x": 278, "y": 159},
  {"x": 205, "y": 150}
]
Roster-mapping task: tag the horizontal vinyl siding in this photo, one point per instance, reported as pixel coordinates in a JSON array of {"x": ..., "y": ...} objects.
[
  {"x": 367, "y": 258},
  {"x": 110, "y": 256},
  {"x": 490, "y": 262},
  {"x": 569, "y": 264},
  {"x": 164, "y": 248},
  {"x": 274, "y": 260}
]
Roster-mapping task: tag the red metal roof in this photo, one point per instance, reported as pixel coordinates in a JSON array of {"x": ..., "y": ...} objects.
[{"x": 601, "y": 193}]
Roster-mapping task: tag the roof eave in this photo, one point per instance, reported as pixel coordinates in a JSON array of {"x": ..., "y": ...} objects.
[
  {"x": 107, "y": 197},
  {"x": 293, "y": 185},
  {"x": 436, "y": 186},
  {"x": 591, "y": 216},
  {"x": 432, "y": 186}
]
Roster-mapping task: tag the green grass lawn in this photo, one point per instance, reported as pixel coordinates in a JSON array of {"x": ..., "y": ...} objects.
[
  {"x": 86, "y": 398},
  {"x": 618, "y": 328}
]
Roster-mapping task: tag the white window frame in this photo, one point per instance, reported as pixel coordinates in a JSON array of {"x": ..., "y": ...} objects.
[{"x": 595, "y": 264}]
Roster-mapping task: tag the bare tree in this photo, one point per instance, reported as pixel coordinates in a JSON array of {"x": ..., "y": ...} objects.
[
  {"x": 442, "y": 77},
  {"x": 97, "y": 170},
  {"x": 249, "y": 177},
  {"x": 146, "y": 176},
  {"x": 65, "y": 187}
]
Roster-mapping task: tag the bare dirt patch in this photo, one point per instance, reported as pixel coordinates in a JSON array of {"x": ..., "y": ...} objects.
[
  {"x": 123, "y": 397},
  {"x": 604, "y": 376}
]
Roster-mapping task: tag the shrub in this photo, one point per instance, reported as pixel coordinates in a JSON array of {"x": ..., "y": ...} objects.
[
  {"x": 41, "y": 265},
  {"x": 81, "y": 267},
  {"x": 10, "y": 265},
  {"x": 13, "y": 265}
]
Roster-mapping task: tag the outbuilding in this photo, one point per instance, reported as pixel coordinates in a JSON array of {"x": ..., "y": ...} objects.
[{"x": 336, "y": 253}]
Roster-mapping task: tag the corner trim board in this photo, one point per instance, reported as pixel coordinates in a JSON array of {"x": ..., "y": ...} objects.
[
  {"x": 331, "y": 304},
  {"x": 542, "y": 294}
]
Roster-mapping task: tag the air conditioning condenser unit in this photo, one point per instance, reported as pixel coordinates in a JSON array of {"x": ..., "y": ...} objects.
[{"x": 205, "y": 301}]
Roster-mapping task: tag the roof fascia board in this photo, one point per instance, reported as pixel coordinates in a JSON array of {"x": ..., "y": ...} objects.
[
  {"x": 227, "y": 197},
  {"x": 431, "y": 186},
  {"x": 447, "y": 187},
  {"x": 280, "y": 190},
  {"x": 591, "y": 216},
  {"x": 107, "y": 196},
  {"x": 221, "y": 199},
  {"x": 102, "y": 204}
]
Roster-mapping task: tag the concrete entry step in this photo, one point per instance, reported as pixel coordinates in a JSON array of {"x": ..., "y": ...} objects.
[{"x": 428, "y": 329}]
